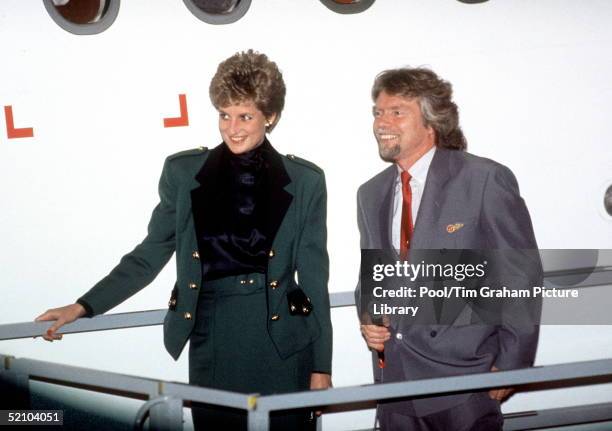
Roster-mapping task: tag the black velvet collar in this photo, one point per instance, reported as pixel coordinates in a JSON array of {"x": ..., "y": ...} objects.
[{"x": 205, "y": 198}]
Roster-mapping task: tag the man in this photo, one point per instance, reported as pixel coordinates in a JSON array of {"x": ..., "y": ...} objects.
[{"x": 437, "y": 196}]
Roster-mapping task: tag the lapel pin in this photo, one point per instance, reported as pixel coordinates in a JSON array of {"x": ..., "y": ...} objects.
[{"x": 452, "y": 228}]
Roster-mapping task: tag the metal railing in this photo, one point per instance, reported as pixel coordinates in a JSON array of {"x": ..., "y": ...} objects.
[
  {"x": 166, "y": 399},
  {"x": 597, "y": 276}
]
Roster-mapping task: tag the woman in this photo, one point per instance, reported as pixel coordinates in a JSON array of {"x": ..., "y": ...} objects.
[{"x": 245, "y": 223}]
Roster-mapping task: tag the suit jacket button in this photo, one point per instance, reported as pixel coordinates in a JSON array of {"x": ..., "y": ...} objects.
[
  {"x": 172, "y": 303},
  {"x": 195, "y": 255},
  {"x": 433, "y": 334},
  {"x": 242, "y": 281},
  {"x": 399, "y": 336},
  {"x": 187, "y": 316},
  {"x": 274, "y": 284},
  {"x": 271, "y": 253},
  {"x": 275, "y": 317},
  {"x": 193, "y": 286}
]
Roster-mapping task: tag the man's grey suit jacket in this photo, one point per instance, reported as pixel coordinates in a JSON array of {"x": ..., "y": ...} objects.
[{"x": 483, "y": 197}]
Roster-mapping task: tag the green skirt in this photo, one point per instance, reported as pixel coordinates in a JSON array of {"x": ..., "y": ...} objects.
[{"x": 230, "y": 349}]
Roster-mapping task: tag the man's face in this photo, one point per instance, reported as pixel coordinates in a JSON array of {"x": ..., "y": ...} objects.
[{"x": 399, "y": 128}]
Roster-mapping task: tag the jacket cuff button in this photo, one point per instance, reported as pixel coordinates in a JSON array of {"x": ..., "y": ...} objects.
[
  {"x": 275, "y": 317},
  {"x": 274, "y": 284},
  {"x": 187, "y": 316},
  {"x": 193, "y": 286},
  {"x": 195, "y": 255}
]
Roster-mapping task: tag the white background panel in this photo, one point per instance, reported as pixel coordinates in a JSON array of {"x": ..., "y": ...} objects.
[{"x": 531, "y": 80}]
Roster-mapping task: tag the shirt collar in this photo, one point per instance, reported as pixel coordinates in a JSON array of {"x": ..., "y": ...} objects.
[{"x": 419, "y": 169}]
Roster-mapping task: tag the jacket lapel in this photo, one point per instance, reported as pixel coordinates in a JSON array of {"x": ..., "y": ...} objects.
[
  {"x": 380, "y": 209},
  {"x": 204, "y": 195},
  {"x": 427, "y": 223},
  {"x": 429, "y": 209},
  {"x": 279, "y": 193}
]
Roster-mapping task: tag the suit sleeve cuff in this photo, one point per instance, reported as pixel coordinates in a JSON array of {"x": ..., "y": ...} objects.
[{"x": 88, "y": 310}]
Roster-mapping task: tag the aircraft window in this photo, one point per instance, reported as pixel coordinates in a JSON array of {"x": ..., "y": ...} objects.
[
  {"x": 347, "y": 6},
  {"x": 608, "y": 201},
  {"x": 218, "y": 11},
  {"x": 83, "y": 16}
]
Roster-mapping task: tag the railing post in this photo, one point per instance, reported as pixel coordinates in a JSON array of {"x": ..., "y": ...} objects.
[
  {"x": 165, "y": 414},
  {"x": 14, "y": 387},
  {"x": 258, "y": 420}
]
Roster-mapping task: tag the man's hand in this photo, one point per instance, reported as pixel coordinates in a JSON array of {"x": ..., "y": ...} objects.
[
  {"x": 375, "y": 336},
  {"x": 499, "y": 394},
  {"x": 61, "y": 315},
  {"x": 320, "y": 381}
]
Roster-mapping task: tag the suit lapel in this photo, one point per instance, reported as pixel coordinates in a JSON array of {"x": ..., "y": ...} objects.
[
  {"x": 426, "y": 229},
  {"x": 279, "y": 193},
  {"x": 382, "y": 207},
  {"x": 205, "y": 194},
  {"x": 429, "y": 209}
]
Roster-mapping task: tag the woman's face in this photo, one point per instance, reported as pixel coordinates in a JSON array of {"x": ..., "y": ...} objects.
[{"x": 242, "y": 126}]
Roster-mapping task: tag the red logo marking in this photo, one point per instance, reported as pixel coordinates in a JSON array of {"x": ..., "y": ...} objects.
[
  {"x": 11, "y": 131},
  {"x": 183, "y": 120}
]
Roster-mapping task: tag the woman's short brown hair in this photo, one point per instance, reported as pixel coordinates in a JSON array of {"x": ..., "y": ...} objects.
[
  {"x": 249, "y": 76},
  {"x": 434, "y": 96}
]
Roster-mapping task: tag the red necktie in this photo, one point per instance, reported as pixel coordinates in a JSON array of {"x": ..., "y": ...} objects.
[
  {"x": 407, "y": 226},
  {"x": 405, "y": 235}
]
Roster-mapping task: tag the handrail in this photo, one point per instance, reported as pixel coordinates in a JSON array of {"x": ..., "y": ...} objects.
[
  {"x": 104, "y": 381},
  {"x": 439, "y": 385},
  {"x": 259, "y": 407},
  {"x": 598, "y": 276}
]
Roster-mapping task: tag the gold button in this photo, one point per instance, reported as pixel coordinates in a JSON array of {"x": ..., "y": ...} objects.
[
  {"x": 172, "y": 303},
  {"x": 271, "y": 253},
  {"x": 274, "y": 284},
  {"x": 242, "y": 281},
  {"x": 275, "y": 317},
  {"x": 193, "y": 286},
  {"x": 251, "y": 281},
  {"x": 195, "y": 255},
  {"x": 187, "y": 316}
]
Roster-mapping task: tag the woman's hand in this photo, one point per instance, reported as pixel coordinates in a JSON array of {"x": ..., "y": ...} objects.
[
  {"x": 61, "y": 315},
  {"x": 320, "y": 381}
]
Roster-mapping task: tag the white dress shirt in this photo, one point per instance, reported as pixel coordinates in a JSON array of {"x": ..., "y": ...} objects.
[{"x": 418, "y": 173}]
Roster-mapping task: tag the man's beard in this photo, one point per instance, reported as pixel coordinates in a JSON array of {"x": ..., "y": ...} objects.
[{"x": 388, "y": 153}]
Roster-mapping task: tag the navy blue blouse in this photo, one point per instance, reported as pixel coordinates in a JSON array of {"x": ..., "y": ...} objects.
[{"x": 235, "y": 240}]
